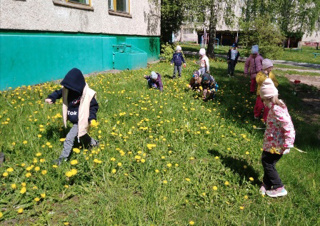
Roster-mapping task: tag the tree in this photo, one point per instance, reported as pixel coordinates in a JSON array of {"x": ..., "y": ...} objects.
[
  {"x": 209, "y": 12},
  {"x": 294, "y": 17},
  {"x": 171, "y": 18},
  {"x": 263, "y": 32}
]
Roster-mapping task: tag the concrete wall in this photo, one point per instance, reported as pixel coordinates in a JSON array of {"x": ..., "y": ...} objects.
[{"x": 45, "y": 15}]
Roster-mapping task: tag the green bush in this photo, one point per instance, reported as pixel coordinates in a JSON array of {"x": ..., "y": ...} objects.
[
  {"x": 264, "y": 33},
  {"x": 167, "y": 51}
]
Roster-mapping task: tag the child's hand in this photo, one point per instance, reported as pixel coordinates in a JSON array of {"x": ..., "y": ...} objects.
[
  {"x": 48, "y": 100},
  {"x": 145, "y": 76},
  {"x": 184, "y": 64}
]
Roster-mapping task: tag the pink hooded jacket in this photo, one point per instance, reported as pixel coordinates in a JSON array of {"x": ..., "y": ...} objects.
[{"x": 254, "y": 65}]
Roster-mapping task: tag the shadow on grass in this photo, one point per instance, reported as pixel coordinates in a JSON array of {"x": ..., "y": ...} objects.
[
  {"x": 236, "y": 96},
  {"x": 238, "y": 166}
]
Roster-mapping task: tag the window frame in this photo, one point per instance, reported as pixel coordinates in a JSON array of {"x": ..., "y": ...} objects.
[
  {"x": 113, "y": 10},
  {"x": 72, "y": 4}
]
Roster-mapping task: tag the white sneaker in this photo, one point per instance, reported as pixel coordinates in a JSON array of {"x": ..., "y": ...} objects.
[{"x": 277, "y": 192}]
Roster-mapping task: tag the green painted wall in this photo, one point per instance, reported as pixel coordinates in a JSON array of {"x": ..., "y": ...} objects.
[{"x": 33, "y": 58}]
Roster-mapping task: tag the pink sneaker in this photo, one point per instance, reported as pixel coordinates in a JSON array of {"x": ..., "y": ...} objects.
[
  {"x": 262, "y": 190},
  {"x": 277, "y": 192}
]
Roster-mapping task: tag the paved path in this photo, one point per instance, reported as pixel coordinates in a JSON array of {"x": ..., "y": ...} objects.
[{"x": 242, "y": 59}]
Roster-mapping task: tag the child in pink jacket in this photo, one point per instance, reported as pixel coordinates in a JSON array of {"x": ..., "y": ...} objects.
[
  {"x": 254, "y": 65},
  {"x": 278, "y": 139}
]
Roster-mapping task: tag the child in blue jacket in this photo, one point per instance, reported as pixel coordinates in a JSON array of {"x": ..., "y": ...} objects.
[{"x": 177, "y": 59}]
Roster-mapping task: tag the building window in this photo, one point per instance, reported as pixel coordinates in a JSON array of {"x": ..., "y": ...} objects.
[
  {"x": 122, "y": 6},
  {"x": 85, "y": 2},
  {"x": 77, "y": 4}
]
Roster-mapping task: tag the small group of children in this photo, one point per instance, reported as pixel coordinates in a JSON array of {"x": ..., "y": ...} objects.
[
  {"x": 80, "y": 108},
  {"x": 206, "y": 83}
]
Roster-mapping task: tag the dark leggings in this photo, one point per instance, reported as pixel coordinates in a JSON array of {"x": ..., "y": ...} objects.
[{"x": 271, "y": 177}]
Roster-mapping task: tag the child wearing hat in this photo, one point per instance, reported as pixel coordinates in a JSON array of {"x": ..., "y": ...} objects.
[
  {"x": 154, "y": 81},
  {"x": 204, "y": 62},
  {"x": 209, "y": 86},
  {"x": 266, "y": 72},
  {"x": 195, "y": 81},
  {"x": 232, "y": 59},
  {"x": 254, "y": 65},
  {"x": 177, "y": 59},
  {"x": 79, "y": 107},
  {"x": 278, "y": 139}
]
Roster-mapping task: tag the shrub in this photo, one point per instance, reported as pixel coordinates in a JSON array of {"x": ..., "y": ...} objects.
[{"x": 264, "y": 33}]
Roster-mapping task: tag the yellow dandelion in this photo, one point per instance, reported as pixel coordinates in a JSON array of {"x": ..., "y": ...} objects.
[
  {"x": 54, "y": 166},
  {"x": 13, "y": 186},
  {"x": 241, "y": 207},
  {"x": 113, "y": 171},
  {"x": 10, "y": 169},
  {"x": 74, "y": 162},
  {"x": 251, "y": 179},
  {"x": 28, "y": 174},
  {"x": 215, "y": 188},
  {"x": 62, "y": 139},
  {"x": 38, "y": 154},
  {"x": 74, "y": 172},
  {"x": 37, "y": 199},
  {"x": 165, "y": 182},
  {"x": 188, "y": 179},
  {"x": 5, "y": 174},
  {"x": 191, "y": 222},
  {"x": 76, "y": 150},
  {"x": 25, "y": 142},
  {"x": 44, "y": 172},
  {"x": 37, "y": 168},
  {"x": 245, "y": 197},
  {"x": 226, "y": 183},
  {"x": 69, "y": 174},
  {"x": 143, "y": 160},
  {"x": 43, "y": 195},
  {"x": 23, "y": 190},
  {"x": 169, "y": 165},
  {"x": 20, "y": 210},
  {"x": 119, "y": 164},
  {"x": 1, "y": 214},
  {"x": 157, "y": 171}
]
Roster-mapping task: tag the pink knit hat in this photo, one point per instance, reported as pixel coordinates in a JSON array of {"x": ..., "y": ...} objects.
[
  {"x": 266, "y": 63},
  {"x": 268, "y": 89}
]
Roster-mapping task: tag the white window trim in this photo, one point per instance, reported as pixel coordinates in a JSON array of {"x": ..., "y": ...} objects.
[{"x": 73, "y": 5}]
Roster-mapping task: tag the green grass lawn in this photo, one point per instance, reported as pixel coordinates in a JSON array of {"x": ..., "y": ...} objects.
[
  {"x": 305, "y": 56},
  {"x": 165, "y": 158}
]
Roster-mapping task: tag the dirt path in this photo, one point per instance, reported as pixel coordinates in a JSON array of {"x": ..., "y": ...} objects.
[
  {"x": 310, "y": 97},
  {"x": 297, "y": 70},
  {"x": 305, "y": 79}
]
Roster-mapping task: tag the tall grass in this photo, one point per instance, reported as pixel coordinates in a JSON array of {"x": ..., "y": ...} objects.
[{"x": 165, "y": 158}]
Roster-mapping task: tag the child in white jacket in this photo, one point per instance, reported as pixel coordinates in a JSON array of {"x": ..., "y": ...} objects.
[{"x": 204, "y": 62}]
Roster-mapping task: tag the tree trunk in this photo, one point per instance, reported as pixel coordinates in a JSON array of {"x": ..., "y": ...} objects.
[{"x": 212, "y": 30}]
